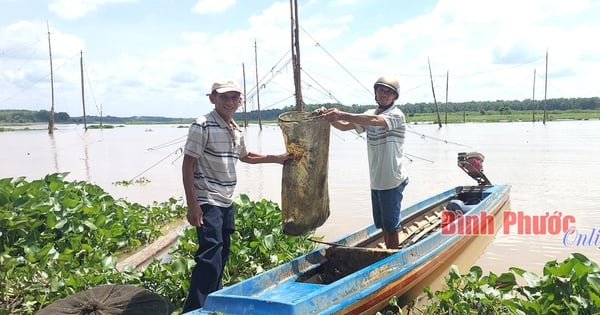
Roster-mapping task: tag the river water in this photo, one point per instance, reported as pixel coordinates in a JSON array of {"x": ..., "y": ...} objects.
[{"x": 552, "y": 169}]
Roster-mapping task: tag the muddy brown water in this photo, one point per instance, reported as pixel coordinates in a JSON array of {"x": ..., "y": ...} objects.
[{"x": 552, "y": 169}]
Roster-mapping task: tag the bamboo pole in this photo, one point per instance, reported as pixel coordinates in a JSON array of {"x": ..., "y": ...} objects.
[
  {"x": 546, "y": 89},
  {"x": 296, "y": 54},
  {"x": 82, "y": 89},
  {"x": 51, "y": 118},
  {"x": 245, "y": 101},
  {"x": 446, "y": 107},
  {"x": 533, "y": 98},
  {"x": 257, "y": 86},
  {"x": 437, "y": 110}
]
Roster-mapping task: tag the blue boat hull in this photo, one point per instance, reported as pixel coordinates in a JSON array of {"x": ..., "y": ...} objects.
[{"x": 280, "y": 291}]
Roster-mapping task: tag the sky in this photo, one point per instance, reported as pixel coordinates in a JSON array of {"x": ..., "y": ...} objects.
[{"x": 160, "y": 57}]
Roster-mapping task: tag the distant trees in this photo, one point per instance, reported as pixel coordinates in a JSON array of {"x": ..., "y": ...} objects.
[
  {"x": 507, "y": 106},
  {"x": 504, "y": 107},
  {"x": 19, "y": 116},
  {"x": 12, "y": 116}
]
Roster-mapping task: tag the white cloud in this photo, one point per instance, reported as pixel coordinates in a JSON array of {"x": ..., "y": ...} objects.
[
  {"x": 134, "y": 68},
  {"x": 213, "y": 6},
  {"x": 73, "y": 9}
]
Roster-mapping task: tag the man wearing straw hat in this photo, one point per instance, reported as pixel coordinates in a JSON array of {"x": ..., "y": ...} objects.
[{"x": 214, "y": 144}]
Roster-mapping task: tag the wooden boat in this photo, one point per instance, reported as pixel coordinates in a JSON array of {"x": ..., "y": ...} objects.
[{"x": 354, "y": 276}]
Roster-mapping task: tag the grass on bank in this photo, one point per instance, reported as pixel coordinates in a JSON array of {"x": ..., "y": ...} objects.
[
  {"x": 506, "y": 116},
  {"x": 450, "y": 118},
  {"x": 488, "y": 116}
]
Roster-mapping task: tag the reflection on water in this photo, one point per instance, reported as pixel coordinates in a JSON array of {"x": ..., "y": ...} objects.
[
  {"x": 86, "y": 164},
  {"x": 54, "y": 152},
  {"x": 551, "y": 168}
]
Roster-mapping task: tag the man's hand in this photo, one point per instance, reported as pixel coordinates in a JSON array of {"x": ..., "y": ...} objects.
[
  {"x": 339, "y": 119},
  {"x": 332, "y": 114},
  {"x": 195, "y": 215},
  {"x": 281, "y": 158}
]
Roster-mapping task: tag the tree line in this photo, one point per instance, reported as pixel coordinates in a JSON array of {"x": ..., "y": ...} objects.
[
  {"x": 12, "y": 116},
  {"x": 590, "y": 103},
  {"x": 21, "y": 116}
]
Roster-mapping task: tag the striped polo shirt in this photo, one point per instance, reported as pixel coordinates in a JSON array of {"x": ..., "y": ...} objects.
[
  {"x": 385, "y": 149},
  {"x": 217, "y": 150}
]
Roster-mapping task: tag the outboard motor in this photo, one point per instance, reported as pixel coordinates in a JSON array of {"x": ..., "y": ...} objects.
[{"x": 472, "y": 164}]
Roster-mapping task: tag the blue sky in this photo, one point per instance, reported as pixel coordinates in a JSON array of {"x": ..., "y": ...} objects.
[{"x": 159, "y": 57}]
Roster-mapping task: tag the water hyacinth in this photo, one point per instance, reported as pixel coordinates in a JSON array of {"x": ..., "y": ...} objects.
[{"x": 60, "y": 237}]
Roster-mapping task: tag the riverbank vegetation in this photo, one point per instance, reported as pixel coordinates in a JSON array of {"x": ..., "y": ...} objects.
[
  {"x": 568, "y": 287},
  {"x": 497, "y": 111},
  {"x": 60, "y": 237},
  {"x": 457, "y": 112}
]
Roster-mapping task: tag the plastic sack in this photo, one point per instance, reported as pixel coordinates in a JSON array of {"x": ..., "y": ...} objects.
[{"x": 304, "y": 187}]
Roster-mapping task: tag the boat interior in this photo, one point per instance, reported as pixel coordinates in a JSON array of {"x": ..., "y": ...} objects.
[{"x": 342, "y": 260}]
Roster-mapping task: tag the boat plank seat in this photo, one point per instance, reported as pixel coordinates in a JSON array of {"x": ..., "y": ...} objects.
[
  {"x": 434, "y": 225},
  {"x": 344, "y": 260},
  {"x": 418, "y": 229}
]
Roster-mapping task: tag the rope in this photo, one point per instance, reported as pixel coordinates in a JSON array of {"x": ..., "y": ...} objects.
[
  {"x": 155, "y": 164},
  {"x": 424, "y": 136},
  {"x": 167, "y": 144},
  {"x": 339, "y": 64},
  {"x": 325, "y": 92}
]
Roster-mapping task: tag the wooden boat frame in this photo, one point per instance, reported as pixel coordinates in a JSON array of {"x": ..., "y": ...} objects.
[{"x": 295, "y": 288}]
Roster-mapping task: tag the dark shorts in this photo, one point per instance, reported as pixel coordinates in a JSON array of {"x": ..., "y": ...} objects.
[{"x": 386, "y": 207}]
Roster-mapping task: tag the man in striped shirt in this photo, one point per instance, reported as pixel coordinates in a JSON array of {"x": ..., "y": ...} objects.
[
  {"x": 385, "y": 127},
  {"x": 214, "y": 144}
]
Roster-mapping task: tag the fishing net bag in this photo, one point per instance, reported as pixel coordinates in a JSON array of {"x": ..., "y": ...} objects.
[{"x": 304, "y": 192}]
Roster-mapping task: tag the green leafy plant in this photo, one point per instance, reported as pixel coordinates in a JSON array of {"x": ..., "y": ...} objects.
[
  {"x": 569, "y": 287},
  {"x": 59, "y": 237},
  {"x": 259, "y": 243}
]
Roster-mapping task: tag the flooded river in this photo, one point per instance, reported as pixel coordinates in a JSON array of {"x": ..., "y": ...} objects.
[{"x": 552, "y": 169}]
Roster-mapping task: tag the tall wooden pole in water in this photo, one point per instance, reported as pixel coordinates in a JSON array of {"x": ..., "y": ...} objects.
[
  {"x": 51, "y": 119},
  {"x": 533, "y": 99},
  {"x": 437, "y": 110},
  {"x": 296, "y": 54},
  {"x": 546, "y": 89},
  {"x": 446, "y": 107},
  {"x": 257, "y": 86},
  {"x": 82, "y": 89},
  {"x": 245, "y": 101}
]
